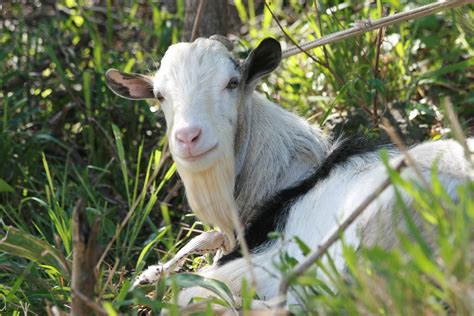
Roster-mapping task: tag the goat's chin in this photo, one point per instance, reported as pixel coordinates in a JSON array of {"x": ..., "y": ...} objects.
[
  {"x": 209, "y": 184},
  {"x": 201, "y": 163}
]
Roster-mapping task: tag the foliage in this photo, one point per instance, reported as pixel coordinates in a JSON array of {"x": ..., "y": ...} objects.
[{"x": 64, "y": 135}]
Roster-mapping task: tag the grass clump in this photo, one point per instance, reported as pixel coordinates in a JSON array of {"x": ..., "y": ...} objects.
[{"x": 63, "y": 135}]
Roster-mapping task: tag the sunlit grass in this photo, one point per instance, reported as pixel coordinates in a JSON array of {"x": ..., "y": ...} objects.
[{"x": 63, "y": 135}]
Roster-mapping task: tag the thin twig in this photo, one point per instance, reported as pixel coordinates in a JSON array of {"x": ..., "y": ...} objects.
[
  {"x": 92, "y": 305},
  {"x": 243, "y": 245},
  {"x": 109, "y": 279},
  {"x": 301, "y": 50},
  {"x": 197, "y": 19},
  {"x": 380, "y": 34},
  {"x": 322, "y": 64},
  {"x": 459, "y": 136},
  {"x": 367, "y": 26},
  {"x": 330, "y": 239},
  {"x": 171, "y": 193},
  {"x": 398, "y": 142},
  {"x": 318, "y": 18}
]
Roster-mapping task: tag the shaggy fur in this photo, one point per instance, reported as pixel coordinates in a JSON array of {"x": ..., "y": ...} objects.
[
  {"x": 264, "y": 162},
  {"x": 272, "y": 214},
  {"x": 210, "y": 193}
]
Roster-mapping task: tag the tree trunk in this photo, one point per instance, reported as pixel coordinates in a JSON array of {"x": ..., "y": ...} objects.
[
  {"x": 214, "y": 19},
  {"x": 170, "y": 5}
]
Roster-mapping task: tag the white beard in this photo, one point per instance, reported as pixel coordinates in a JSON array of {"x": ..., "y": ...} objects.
[{"x": 210, "y": 193}]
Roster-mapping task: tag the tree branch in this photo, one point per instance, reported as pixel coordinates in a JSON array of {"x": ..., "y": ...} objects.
[{"x": 367, "y": 26}]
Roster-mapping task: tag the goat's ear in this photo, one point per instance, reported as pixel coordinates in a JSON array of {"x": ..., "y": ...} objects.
[
  {"x": 129, "y": 86},
  {"x": 262, "y": 60}
]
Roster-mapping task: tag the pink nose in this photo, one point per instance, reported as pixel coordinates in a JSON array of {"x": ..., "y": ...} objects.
[{"x": 188, "y": 136}]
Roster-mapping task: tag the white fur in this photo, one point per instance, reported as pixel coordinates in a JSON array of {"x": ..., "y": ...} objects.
[{"x": 267, "y": 149}]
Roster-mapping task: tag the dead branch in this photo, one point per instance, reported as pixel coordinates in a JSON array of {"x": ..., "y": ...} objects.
[
  {"x": 366, "y": 26},
  {"x": 85, "y": 256}
]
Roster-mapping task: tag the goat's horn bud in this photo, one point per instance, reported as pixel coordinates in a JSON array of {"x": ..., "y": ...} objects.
[{"x": 224, "y": 40}]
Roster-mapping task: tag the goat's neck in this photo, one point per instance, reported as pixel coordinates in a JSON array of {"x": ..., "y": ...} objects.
[{"x": 274, "y": 149}]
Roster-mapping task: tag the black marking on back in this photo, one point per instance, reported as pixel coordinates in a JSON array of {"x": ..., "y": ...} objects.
[{"x": 272, "y": 214}]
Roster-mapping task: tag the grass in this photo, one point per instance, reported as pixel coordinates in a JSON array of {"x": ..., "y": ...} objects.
[{"x": 63, "y": 135}]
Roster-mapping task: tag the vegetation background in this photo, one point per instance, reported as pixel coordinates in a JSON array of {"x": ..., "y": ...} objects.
[{"x": 64, "y": 135}]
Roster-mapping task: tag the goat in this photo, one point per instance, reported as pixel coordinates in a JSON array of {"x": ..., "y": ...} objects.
[{"x": 237, "y": 151}]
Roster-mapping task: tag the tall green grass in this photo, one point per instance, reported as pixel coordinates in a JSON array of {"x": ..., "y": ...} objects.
[{"x": 63, "y": 135}]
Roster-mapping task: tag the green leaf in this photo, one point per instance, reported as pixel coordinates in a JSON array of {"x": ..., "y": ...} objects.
[
  {"x": 149, "y": 246},
  {"x": 215, "y": 286},
  {"x": 122, "y": 161},
  {"x": 302, "y": 245},
  {"x": 5, "y": 187},
  {"x": 21, "y": 244}
]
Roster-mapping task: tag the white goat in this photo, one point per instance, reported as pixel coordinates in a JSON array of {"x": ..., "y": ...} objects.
[{"x": 236, "y": 150}]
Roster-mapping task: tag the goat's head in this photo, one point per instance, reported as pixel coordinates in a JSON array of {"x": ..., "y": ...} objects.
[{"x": 202, "y": 88}]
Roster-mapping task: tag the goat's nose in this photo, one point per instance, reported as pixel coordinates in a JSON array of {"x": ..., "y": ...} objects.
[{"x": 188, "y": 135}]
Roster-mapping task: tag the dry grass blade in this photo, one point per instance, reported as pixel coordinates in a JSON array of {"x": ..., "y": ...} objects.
[
  {"x": 458, "y": 134},
  {"x": 398, "y": 142}
]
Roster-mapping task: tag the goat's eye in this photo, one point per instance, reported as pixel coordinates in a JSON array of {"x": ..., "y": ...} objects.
[
  {"x": 233, "y": 83},
  {"x": 160, "y": 97}
]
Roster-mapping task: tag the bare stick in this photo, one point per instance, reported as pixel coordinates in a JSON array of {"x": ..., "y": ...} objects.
[
  {"x": 197, "y": 19},
  {"x": 301, "y": 50},
  {"x": 243, "y": 245},
  {"x": 376, "y": 71},
  {"x": 330, "y": 239},
  {"x": 89, "y": 304},
  {"x": 398, "y": 142},
  {"x": 85, "y": 255},
  {"x": 367, "y": 26}
]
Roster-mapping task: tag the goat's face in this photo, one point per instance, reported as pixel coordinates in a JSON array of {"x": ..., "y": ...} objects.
[
  {"x": 198, "y": 85},
  {"x": 200, "y": 88}
]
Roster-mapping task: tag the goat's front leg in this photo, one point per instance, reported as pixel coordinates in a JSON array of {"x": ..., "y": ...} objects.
[
  {"x": 208, "y": 242},
  {"x": 233, "y": 273}
]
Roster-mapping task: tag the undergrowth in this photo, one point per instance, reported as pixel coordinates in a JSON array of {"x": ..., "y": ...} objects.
[{"x": 63, "y": 135}]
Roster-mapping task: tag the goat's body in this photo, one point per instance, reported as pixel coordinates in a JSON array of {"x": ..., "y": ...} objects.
[
  {"x": 238, "y": 152},
  {"x": 311, "y": 216}
]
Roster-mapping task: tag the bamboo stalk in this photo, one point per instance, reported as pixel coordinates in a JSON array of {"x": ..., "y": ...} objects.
[{"x": 362, "y": 27}]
